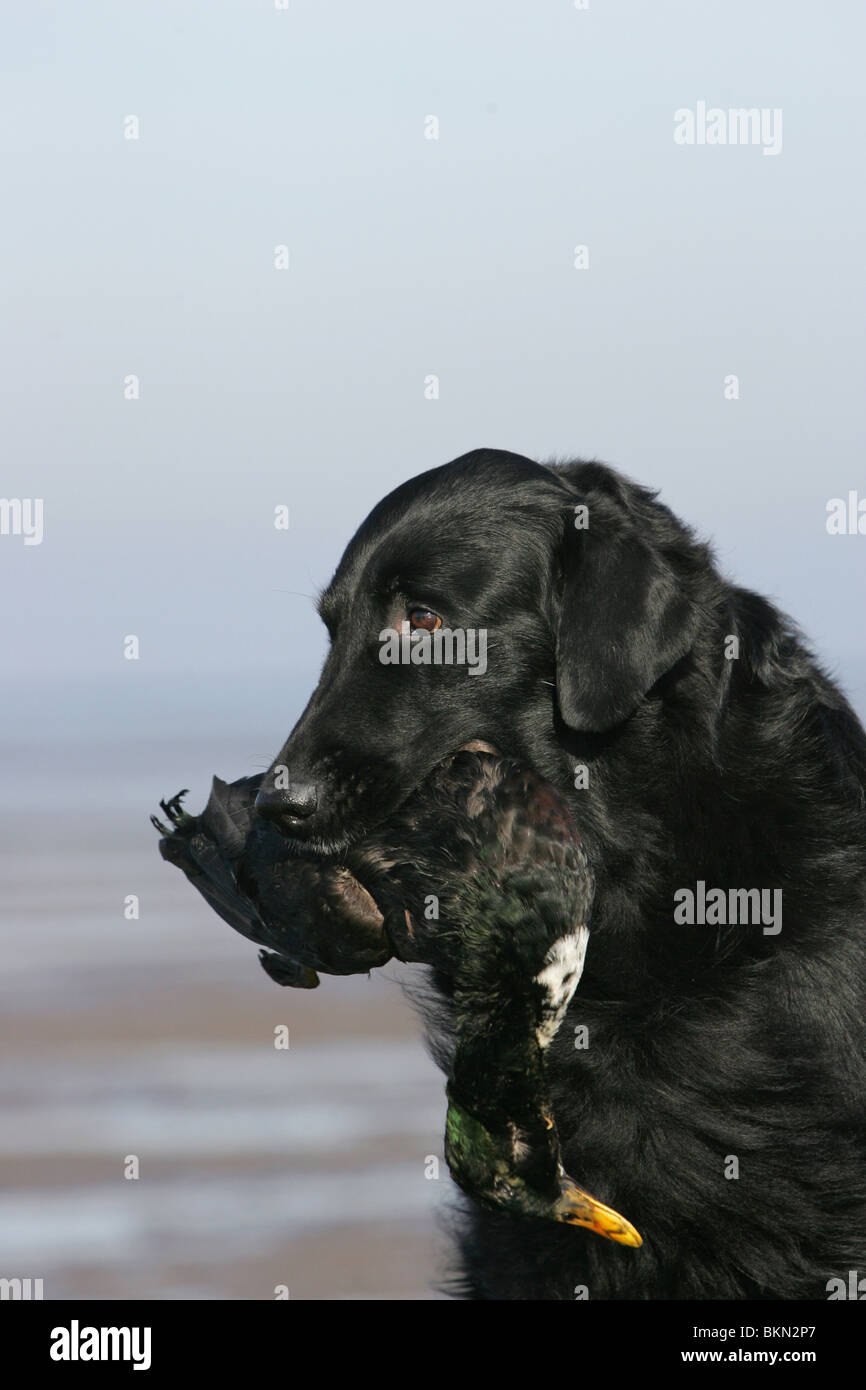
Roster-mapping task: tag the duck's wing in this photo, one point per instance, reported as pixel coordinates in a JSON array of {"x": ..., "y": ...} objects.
[
  {"x": 310, "y": 912},
  {"x": 208, "y": 850}
]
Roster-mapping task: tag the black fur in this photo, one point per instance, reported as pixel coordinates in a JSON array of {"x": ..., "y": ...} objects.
[{"x": 607, "y": 649}]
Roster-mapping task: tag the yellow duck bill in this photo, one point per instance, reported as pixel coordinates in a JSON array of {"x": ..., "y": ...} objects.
[{"x": 577, "y": 1208}]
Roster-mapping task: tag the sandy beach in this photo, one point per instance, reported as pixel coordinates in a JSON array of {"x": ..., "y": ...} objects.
[{"x": 152, "y": 1040}]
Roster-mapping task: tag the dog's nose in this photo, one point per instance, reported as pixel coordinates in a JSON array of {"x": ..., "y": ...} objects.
[{"x": 288, "y": 805}]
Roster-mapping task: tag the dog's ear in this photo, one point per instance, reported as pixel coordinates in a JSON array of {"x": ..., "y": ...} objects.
[{"x": 624, "y": 618}]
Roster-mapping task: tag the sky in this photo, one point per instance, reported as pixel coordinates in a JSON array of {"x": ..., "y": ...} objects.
[{"x": 307, "y": 127}]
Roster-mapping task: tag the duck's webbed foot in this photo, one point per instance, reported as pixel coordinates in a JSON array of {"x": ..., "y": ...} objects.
[{"x": 175, "y": 813}]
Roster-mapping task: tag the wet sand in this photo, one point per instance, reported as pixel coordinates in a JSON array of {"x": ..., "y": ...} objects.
[{"x": 153, "y": 1040}]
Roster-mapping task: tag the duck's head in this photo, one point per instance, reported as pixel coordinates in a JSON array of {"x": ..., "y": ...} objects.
[{"x": 510, "y": 1170}]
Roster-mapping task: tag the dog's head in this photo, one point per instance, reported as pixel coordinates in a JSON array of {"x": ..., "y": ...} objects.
[{"x": 480, "y": 603}]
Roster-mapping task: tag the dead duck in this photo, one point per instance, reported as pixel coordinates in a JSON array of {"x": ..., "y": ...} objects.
[
  {"x": 308, "y": 913},
  {"x": 494, "y": 850},
  {"x": 481, "y": 875}
]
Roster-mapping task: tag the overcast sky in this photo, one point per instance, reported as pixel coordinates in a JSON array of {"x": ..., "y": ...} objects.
[{"x": 154, "y": 257}]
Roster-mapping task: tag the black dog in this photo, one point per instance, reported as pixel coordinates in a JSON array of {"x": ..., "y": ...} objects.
[{"x": 710, "y": 1077}]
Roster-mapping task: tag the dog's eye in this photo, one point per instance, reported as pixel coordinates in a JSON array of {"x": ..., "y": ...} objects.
[{"x": 425, "y": 619}]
